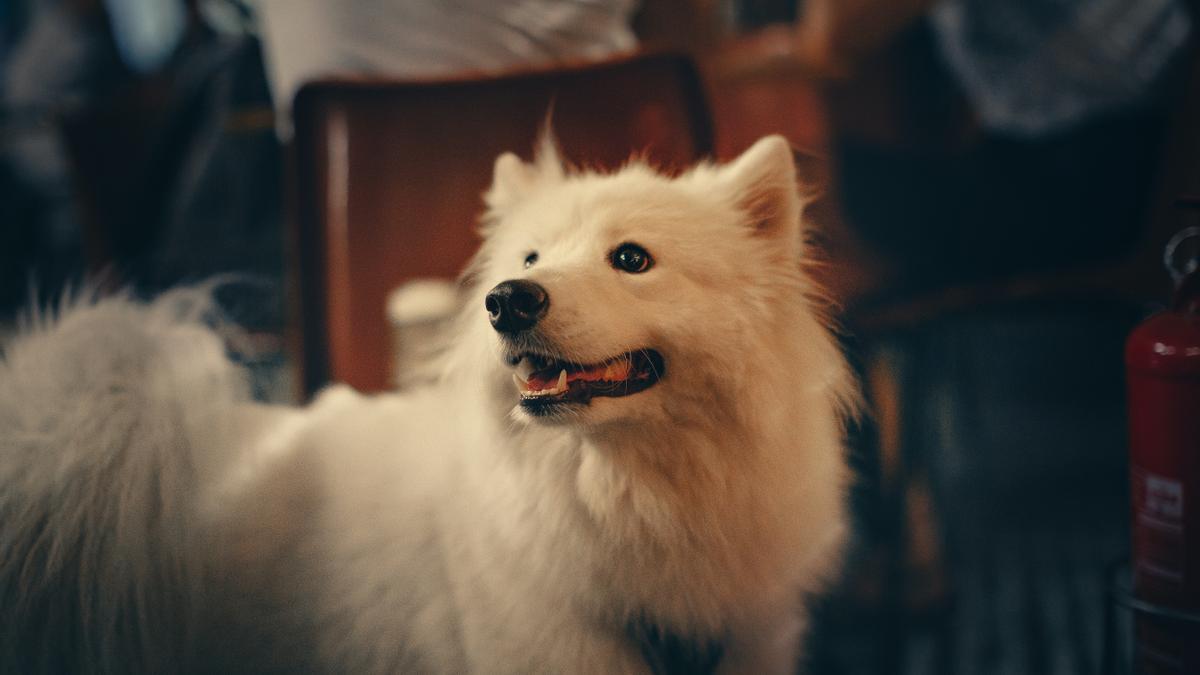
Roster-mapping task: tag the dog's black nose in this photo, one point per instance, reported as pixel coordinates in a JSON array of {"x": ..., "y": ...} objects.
[{"x": 516, "y": 305}]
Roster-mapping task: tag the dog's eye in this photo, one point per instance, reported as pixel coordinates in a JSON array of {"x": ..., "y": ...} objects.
[
  {"x": 631, "y": 258},
  {"x": 531, "y": 259}
]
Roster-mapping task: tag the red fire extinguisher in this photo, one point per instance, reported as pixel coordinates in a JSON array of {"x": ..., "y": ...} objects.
[{"x": 1162, "y": 361}]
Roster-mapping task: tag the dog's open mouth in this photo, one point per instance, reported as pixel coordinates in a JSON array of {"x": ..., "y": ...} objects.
[{"x": 544, "y": 381}]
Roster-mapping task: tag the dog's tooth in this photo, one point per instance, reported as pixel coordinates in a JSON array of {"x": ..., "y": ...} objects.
[
  {"x": 525, "y": 368},
  {"x": 562, "y": 381},
  {"x": 522, "y": 386}
]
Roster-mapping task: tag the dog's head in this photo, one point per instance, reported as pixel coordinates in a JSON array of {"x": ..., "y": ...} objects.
[{"x": 623, "y": 297}]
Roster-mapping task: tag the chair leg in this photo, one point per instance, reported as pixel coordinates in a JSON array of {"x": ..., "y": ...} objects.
[
  {"x": 884, "y": 389},
  {"x": 914, "y": 567}
]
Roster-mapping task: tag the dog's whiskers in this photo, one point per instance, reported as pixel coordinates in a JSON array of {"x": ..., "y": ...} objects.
[{"x": 657, "y": 375}]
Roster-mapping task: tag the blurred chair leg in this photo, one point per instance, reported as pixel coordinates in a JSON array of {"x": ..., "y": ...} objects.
[
  {"x": 883, "y": 381},
  {"x": 915, "y": 584}
]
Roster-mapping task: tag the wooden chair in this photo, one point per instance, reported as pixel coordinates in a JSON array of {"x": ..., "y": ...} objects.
[{"x": 387, "y": 177}]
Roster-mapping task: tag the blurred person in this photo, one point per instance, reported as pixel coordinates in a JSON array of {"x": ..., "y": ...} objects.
[
  {"x": 309, "y": 39},
  {"x": 1028, "y": 66},
  {"x": 1038, "y": 66},
  {"x": 60, "y": 54},
  {"x": 974, "y": 139},
  {"x": 59, "y": 57},
  {"x": 131, "y": 134}
]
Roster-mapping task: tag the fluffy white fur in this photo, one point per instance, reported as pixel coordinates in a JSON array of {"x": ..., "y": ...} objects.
[{"x": 149, "y": 515}]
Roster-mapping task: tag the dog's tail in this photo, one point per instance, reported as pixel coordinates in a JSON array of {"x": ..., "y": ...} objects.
[{"x": 111, "y": 415}]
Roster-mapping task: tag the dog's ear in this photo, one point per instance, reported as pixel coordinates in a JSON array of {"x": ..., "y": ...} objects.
[
  {"x": 762, "y": 183},
  {"x": 513, "y": 179}
]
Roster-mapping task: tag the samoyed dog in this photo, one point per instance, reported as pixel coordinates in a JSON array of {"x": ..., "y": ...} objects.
[{"x": 635, "y": 439}]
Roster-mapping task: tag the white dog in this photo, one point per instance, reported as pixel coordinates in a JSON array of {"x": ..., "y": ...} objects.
[{"x": 638, "y": 430}]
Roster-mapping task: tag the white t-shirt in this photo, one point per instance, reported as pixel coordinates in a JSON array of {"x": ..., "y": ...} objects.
[{"x": 308, "y": 39}]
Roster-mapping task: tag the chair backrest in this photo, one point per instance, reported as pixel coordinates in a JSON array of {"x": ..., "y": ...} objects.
[{"x": 387, "y": 178}]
